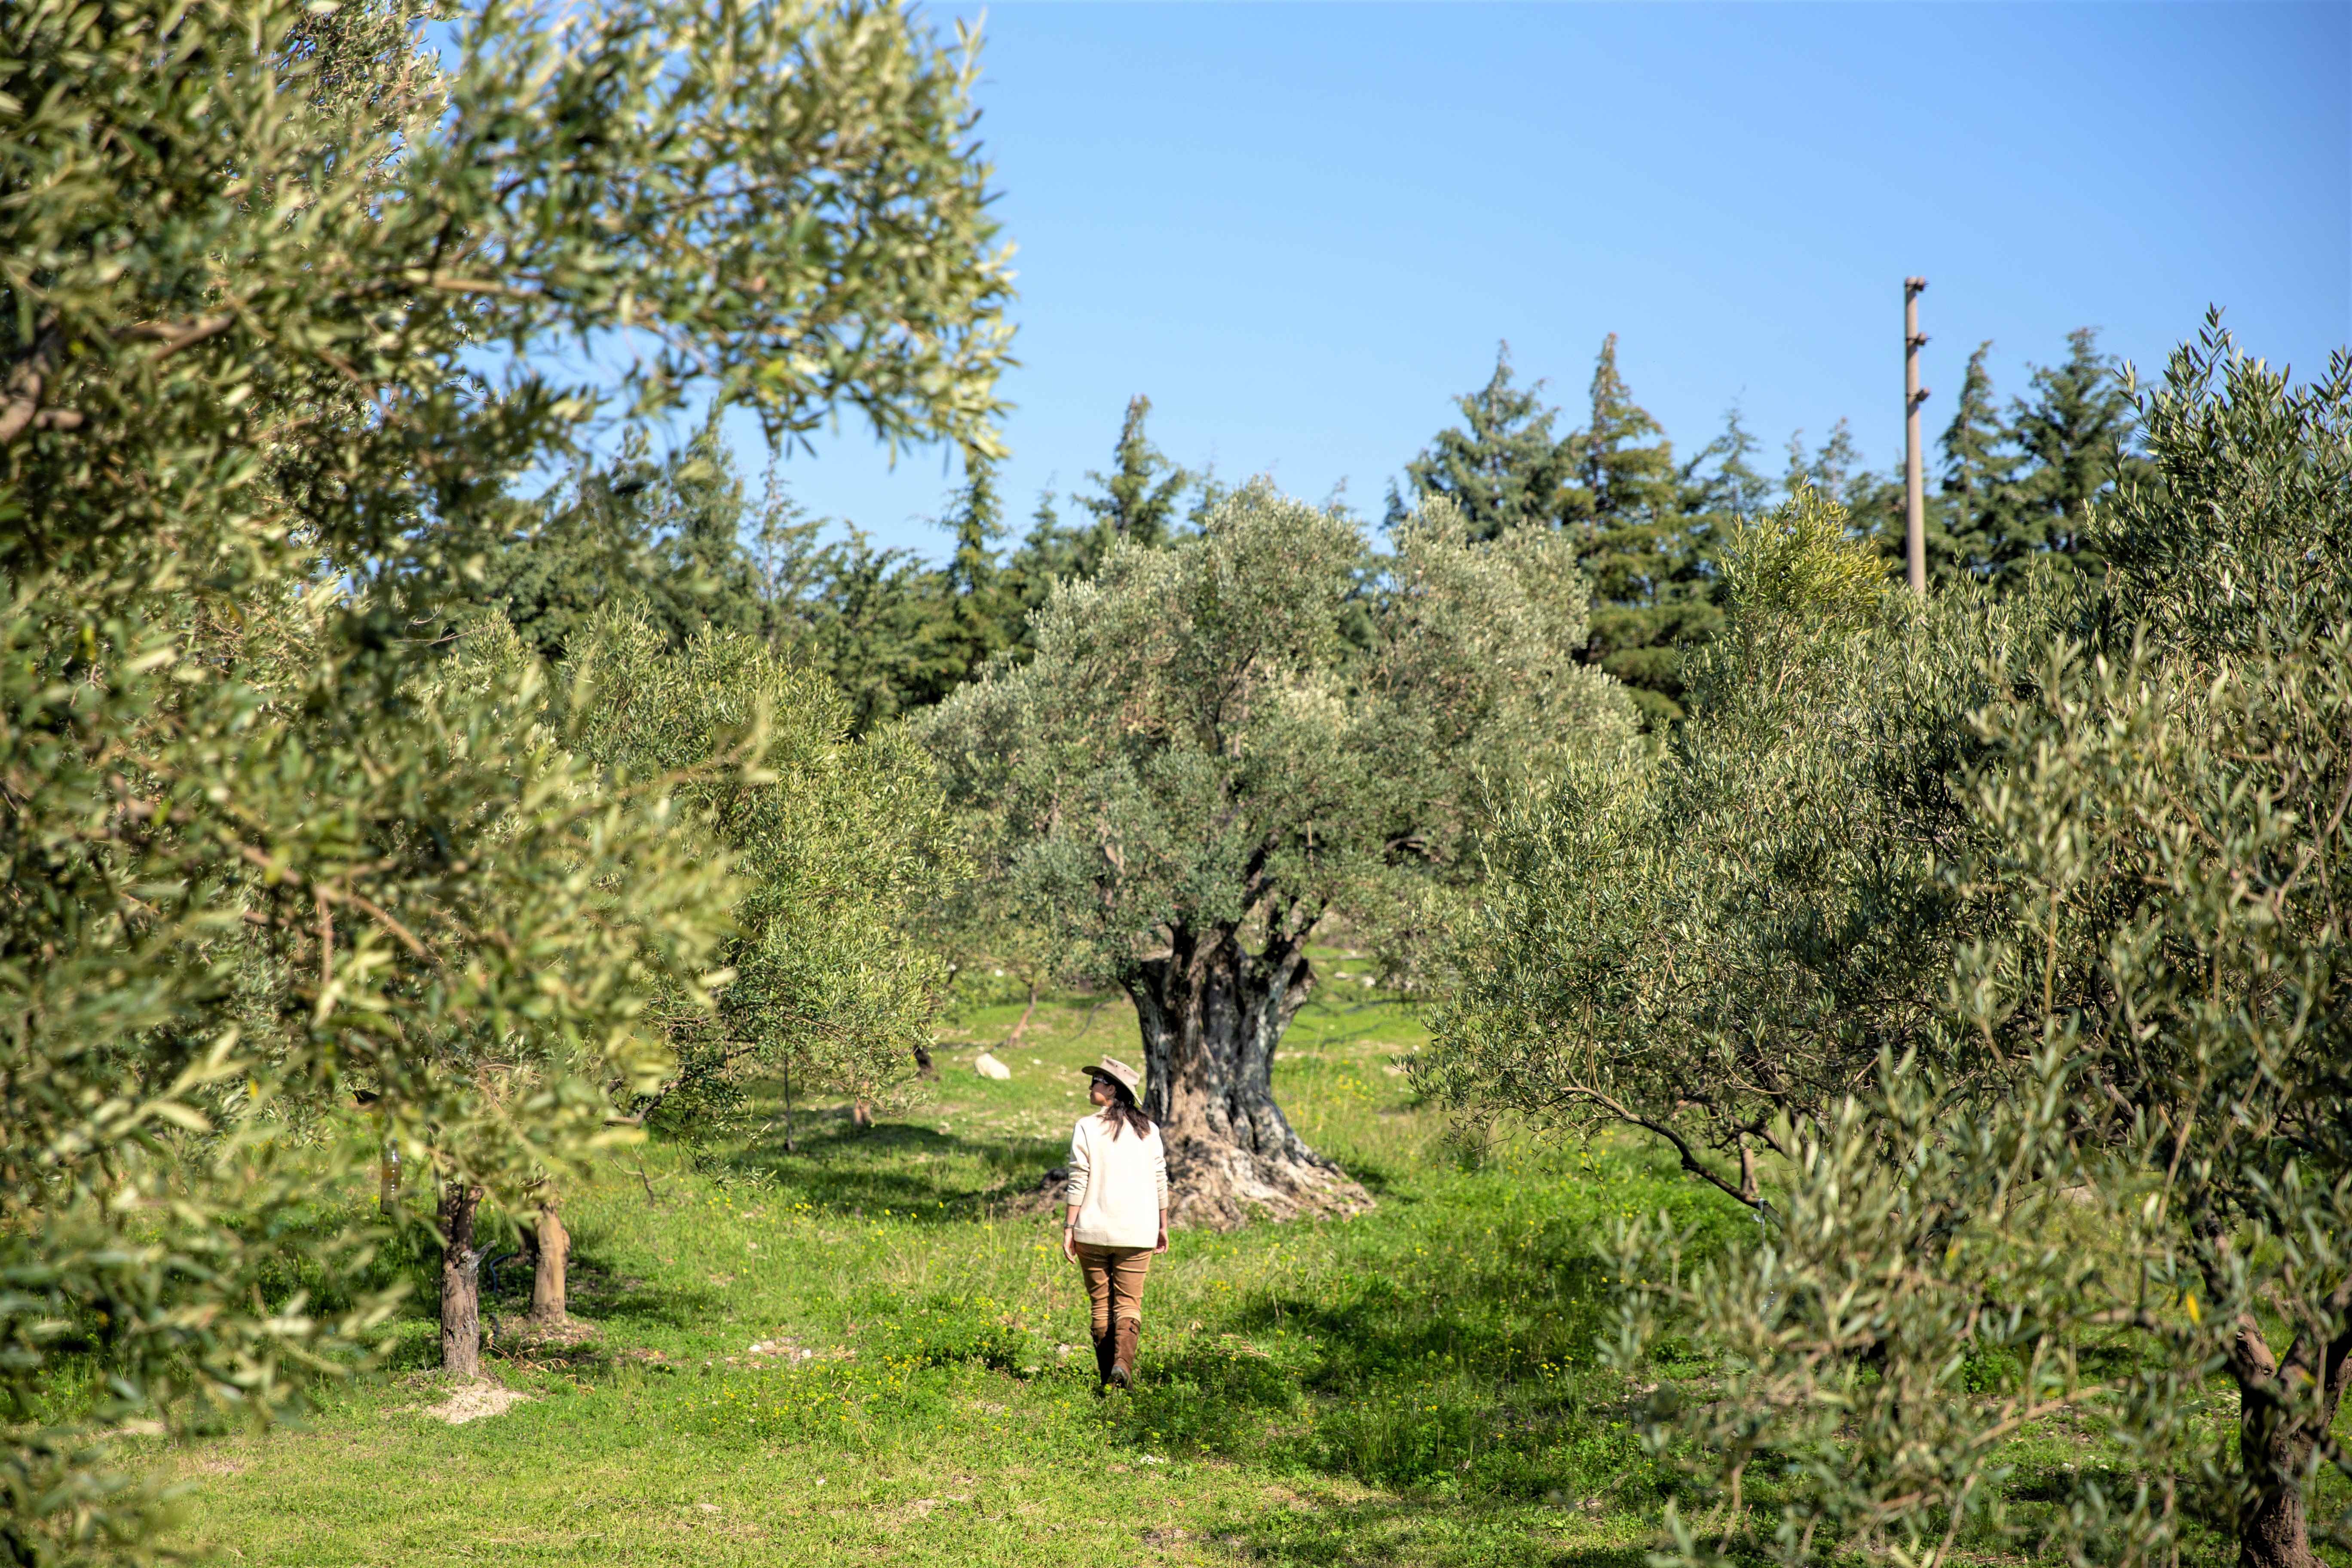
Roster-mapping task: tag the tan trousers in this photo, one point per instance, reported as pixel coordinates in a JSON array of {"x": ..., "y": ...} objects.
[{"x": 1115, "y": 1277}]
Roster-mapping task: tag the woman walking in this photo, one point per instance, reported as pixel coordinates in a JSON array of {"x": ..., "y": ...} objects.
[{"x": 1116, "y": 1215}]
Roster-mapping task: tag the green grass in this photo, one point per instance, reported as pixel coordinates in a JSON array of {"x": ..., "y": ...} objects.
[{"x": 1415, "y": 1385}]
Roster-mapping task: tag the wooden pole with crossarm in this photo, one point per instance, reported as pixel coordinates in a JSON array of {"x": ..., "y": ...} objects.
[{"x": 1914, "y": 484}]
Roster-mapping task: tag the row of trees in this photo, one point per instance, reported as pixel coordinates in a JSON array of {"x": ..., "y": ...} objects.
[
  {"x": 279, "y": 288},
  {"x": 682, "y": 537},
  {"x": 1993, "y": 948},
  {"x": 1650, "y": 528}
]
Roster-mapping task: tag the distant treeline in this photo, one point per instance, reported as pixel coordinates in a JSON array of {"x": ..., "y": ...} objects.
[{"x": 685, "y": 536}]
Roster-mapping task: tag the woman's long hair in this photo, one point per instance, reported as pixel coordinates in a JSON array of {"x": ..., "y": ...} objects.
[{"x": 1122, "y": 1110}]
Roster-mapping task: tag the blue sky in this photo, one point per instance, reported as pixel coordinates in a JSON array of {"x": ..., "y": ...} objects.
[{"x": 1302, "y": 229}]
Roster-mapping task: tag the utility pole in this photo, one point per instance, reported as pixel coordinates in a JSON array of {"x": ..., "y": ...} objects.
[{"x": 1914, "y": 484}]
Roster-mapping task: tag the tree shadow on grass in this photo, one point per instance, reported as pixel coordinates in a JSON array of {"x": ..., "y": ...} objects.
[
  {"x": 1446, "y": 1382},
  {"x": 1389, "y": 1531},
  {"x": 915, "y": 1173},
  {"x": 598, "y": 1293},
  {"x": 1393, "y": 1326},
  {"x": 1373, "y": 1175}
]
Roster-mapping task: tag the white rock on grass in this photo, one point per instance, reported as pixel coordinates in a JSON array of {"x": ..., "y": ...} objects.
[{"x": 988, "y": 1065}]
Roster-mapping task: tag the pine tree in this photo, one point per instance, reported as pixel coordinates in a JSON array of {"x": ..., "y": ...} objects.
[
  {"x": 1624, "y": 511},
  {"x": 1502, "y": 467},
  {"x": 980, "y": 617},
  {"x": 1979, "y": 496},
  {"x": 664, "y": 537},
  {"x": 693, "y": 518},
  {"x": 581, "y": 546},
  {"x": 1736, "y": 487},
  {"x": 2075, "y": 432},
  {"x": 1829, "y": 471},
  {"x": 1716, "y": 489},
  {"x": 1049, "y": 552},
  {"x": 1141, "y": 495}
]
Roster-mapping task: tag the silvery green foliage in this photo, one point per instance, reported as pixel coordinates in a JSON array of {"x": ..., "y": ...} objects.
[
  {"x": 839, "y": 848},
  {"x": 1719, "y": 938},
  {"x": 1269, "y": 722},
  {"x": 2131, "y": 1216},
  {"x": 1219, "y": 744},
  {"x": 777, "y": 201},
  {"x": 236, "y": 901},
  {"x": 263, "y": 850}
]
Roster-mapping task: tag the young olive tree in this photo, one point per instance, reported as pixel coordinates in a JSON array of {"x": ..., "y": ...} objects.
[
  {"x": 262, "y": 855},
  {"x": 840, "y": 848},
  {"x": 1221, "y": 744}
]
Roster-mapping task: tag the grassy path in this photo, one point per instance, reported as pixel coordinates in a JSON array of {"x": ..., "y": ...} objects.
[{"x": 851, "y": 1354}]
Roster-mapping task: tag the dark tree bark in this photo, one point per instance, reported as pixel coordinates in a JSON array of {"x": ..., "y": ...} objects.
[
  {"x": 461, "y": 1280},
  {"x": 1212, "y": 1013},
  {"x": 2279, "y": 1433},
  {"x": 548, "y": 1273},
  {"x": 2273, "y": 1531}
]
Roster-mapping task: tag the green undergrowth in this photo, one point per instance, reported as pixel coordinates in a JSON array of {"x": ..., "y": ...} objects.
[{"x": 867, "y": 1348}]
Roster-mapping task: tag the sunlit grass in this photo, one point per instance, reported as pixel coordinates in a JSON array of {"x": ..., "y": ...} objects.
[{"x": 870, "y": 1349}]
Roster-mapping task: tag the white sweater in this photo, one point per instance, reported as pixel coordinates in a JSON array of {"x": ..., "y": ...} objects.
[{"x": 1119, "y": 1185}]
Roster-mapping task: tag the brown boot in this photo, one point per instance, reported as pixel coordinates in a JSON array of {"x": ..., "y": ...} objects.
[
  {"x": 1122, "y": 1361},
  {"x": 1104, "y": 1346}
]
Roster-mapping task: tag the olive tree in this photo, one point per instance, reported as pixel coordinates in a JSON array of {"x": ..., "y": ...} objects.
[
  {"x": 841, "y": 849},
  {"x": 1715, "y": 941},
  {"x": 1221, "y": 745},
  {"x": 2105, "y": 1184},
  {"x": 258, "y": 266},
  {"x": 834, "y": 851}
]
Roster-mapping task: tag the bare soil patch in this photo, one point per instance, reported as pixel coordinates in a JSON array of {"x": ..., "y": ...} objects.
[{"x": 474, "y": 1401}]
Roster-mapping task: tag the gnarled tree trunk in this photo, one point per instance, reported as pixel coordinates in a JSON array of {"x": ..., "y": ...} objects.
[
  {"x": 461, "y": 1280},
  {"x": 1212, "y": 1013}
]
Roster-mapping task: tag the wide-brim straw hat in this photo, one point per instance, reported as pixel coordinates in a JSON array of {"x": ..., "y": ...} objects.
[{"x": 1112, "y": 1068}]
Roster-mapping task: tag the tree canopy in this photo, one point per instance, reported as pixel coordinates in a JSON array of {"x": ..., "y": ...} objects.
[
  {"x": 1221, "y": 746},
  {"x": 275, "y": 280},
  {"x": 1993, "y": 950},
  {"x": 1651, "y": 532}
]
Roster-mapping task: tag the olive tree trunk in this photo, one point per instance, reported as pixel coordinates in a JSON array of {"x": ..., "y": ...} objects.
[
  {"x": 461, "y": 1280},
  {"x": 1212, "y": 1013},
  {"x": 2279, "y": 1434},
  {"x": 547, "y": 1274}
]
